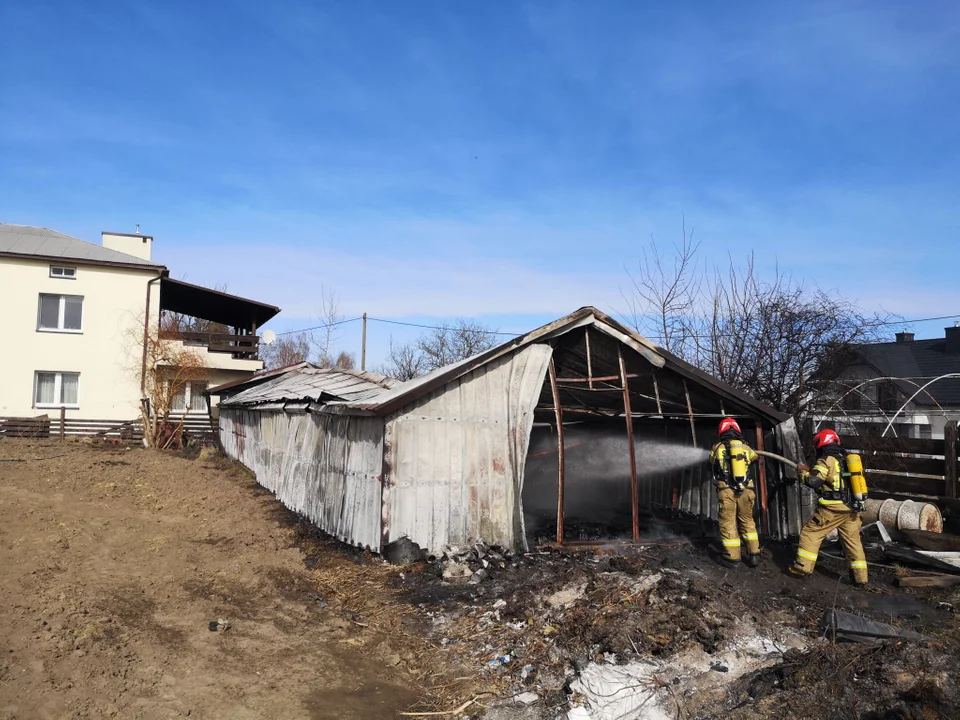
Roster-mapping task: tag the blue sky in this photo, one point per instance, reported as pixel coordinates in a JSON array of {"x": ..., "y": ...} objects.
[{"x": 499, "y": 160}]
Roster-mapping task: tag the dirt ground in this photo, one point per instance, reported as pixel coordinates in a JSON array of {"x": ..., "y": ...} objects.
[
  {"x": 118, "y": 566},
  {"x": 115, "y": 563}
]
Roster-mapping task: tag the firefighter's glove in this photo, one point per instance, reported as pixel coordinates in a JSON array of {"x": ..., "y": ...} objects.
[
  {"x": 815, "y": 483},
  {"x": 803, "y": 468}
]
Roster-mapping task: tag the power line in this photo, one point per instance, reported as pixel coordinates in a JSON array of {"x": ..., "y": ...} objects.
[
  {"x": 319, "y": 327},
  {"x": 441, "y": 327},
  {"x": 659, "y": 338},
  {"x": 911, "y": 322}
]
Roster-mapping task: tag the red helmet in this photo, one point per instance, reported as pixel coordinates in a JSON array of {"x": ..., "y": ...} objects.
[
  {"x": 728, "y": 424},
  {"x": 825, "y": 437}
]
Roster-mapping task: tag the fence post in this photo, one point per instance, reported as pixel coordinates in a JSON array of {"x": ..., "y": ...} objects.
[
  {"x": 950, "y": 458},
  {"x": 63, "y": 420}
]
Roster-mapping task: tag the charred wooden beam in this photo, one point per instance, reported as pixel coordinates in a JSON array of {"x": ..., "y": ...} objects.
[
  {"x": 762, "y": 480},
  {"x": 560, "y": 459},
  {"x": 590, "y": 380},
  {"x": 589, "y": 358},
  {"x": 628, "y": 415},
  {"x": 656, "y": 392}
]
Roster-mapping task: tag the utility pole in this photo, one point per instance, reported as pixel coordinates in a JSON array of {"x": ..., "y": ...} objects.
[{"x": 363, "y": 346}]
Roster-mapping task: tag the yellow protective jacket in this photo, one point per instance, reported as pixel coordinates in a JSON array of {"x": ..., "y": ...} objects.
[
  {"x": 718, "y": 459},
  {"x": 828, "y": 469}
]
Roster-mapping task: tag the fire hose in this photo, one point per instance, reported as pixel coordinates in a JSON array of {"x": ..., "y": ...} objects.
[{"x": 780, "y": 458}]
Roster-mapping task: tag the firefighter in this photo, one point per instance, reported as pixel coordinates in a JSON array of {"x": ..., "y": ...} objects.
[
  {"x": 731, "y": 458},
  {"x": 835, "y": 477}
]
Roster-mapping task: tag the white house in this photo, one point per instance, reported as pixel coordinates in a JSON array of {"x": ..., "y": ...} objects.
[{"x": 75, "y": 336}]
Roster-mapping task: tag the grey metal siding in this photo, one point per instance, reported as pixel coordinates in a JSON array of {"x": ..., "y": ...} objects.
[
  {"x": 326, "y": 467},
  {"x": 455, "y": 458}
]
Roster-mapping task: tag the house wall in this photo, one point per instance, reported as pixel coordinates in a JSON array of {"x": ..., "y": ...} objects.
[
  {"x": 326, "y": 467},
  {"x": 107, "y": 352},
  {"x": 454, "y": 460}
]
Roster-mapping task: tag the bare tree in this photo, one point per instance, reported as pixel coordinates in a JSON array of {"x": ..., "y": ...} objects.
[
  {"x": 325, "y": 336},
  {"x": 404, "y": 362},
  {"x": 663, "y": 289},
  {"x": 345, "y": 361},
  {"x": 316, "y": 345},
  {"x": 173, "y": 325},
  {"x": 286, "y": 350},
  {"x": 164, "y": 371},
  {"x": 441, "y": 346},
  {"x": 776, "y": 339}
]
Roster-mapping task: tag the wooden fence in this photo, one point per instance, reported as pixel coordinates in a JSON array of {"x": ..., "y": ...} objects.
[
  {"x": 909, "y": 467},
  {"x": 195, "y": 426}
]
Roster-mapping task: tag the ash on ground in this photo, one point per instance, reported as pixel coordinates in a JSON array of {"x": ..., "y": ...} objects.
[{"x": 663, "y": 631}]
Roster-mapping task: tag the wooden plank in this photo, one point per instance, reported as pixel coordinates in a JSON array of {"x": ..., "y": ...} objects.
[
  {"x": 762, "y": 481},
  {"x": 866, "y": 443},
  {"x": 924, "y": 466},
  {"x": 586, "y": 335},
  {"x": 929, "y": 581},
  {"x": 628, "y": 415},
  {"x": 950, "y": 463},
  {"x": 902, "y": 484},
  {"x": 591, "y": 380},
  {"x": 912, "y": 557},
  {"x": 656, "y": 393}
]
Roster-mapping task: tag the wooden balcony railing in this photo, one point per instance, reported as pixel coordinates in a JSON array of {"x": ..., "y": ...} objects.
[{"x": 243, "y": 345}]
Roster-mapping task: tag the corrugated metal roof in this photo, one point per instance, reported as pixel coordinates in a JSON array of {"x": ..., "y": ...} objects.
[
  {"x": 41, "y": 242},
  {"x": 315, "y": 384},
  {"x": 411, "y": 390},
  {"x": 257, "y": 378}
]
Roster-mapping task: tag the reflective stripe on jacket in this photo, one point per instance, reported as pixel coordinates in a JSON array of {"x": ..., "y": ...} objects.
[{"x": 828, "y": 469}]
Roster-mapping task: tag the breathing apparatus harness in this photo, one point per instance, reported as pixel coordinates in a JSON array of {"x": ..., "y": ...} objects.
[
  {"x": 853, "y": 491},
  {"x": 733, "y": 467}
]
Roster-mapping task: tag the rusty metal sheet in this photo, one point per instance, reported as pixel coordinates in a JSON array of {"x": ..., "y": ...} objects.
[
  {"x": 455, "y": 459},
  {"x": 326, "y": 467}
]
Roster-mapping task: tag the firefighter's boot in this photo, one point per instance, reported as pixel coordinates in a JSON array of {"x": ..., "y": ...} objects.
[{"x": 753, "y": 560}]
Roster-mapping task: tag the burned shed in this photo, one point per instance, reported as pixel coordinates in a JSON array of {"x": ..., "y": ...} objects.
[{"x": 579, "y": 430}]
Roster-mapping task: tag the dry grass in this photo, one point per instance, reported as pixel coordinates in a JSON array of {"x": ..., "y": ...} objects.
[{"x": 901, "y": 571}]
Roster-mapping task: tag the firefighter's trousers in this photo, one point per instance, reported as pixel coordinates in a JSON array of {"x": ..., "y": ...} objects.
[
  {"x": 736, "y": 521},
  {"x": 826, "y": 519}
]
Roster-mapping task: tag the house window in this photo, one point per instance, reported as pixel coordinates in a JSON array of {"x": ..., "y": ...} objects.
[
  {"x": 60, "y": 313},
  {"x": 852, "y": 396},
  {"x": 57, "y": 389},
  {"x": 924, "y": 432},
  {"x": 887, "y": 396},
  {"x": 198, "y": 401},
  {"x": 61, "y": 271},
  {"x": 189, "y": 397}
]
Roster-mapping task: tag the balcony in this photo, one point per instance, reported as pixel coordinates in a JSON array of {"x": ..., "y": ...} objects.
[
  {"x": 225, "y": 325},
  {"x": 239, "y": 346}
]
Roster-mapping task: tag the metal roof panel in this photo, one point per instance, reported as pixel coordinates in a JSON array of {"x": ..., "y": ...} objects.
[{"x": 40, "y": 242}]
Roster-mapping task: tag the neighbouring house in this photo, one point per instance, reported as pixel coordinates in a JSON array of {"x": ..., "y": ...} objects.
[
  {"x": 77, "y": 319},
  {"x": 896, "y": 384},
  {"x": 579, "y": 430}
]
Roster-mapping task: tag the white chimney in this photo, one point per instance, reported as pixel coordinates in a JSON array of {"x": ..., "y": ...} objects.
[{"x": 131, "y": 244}]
